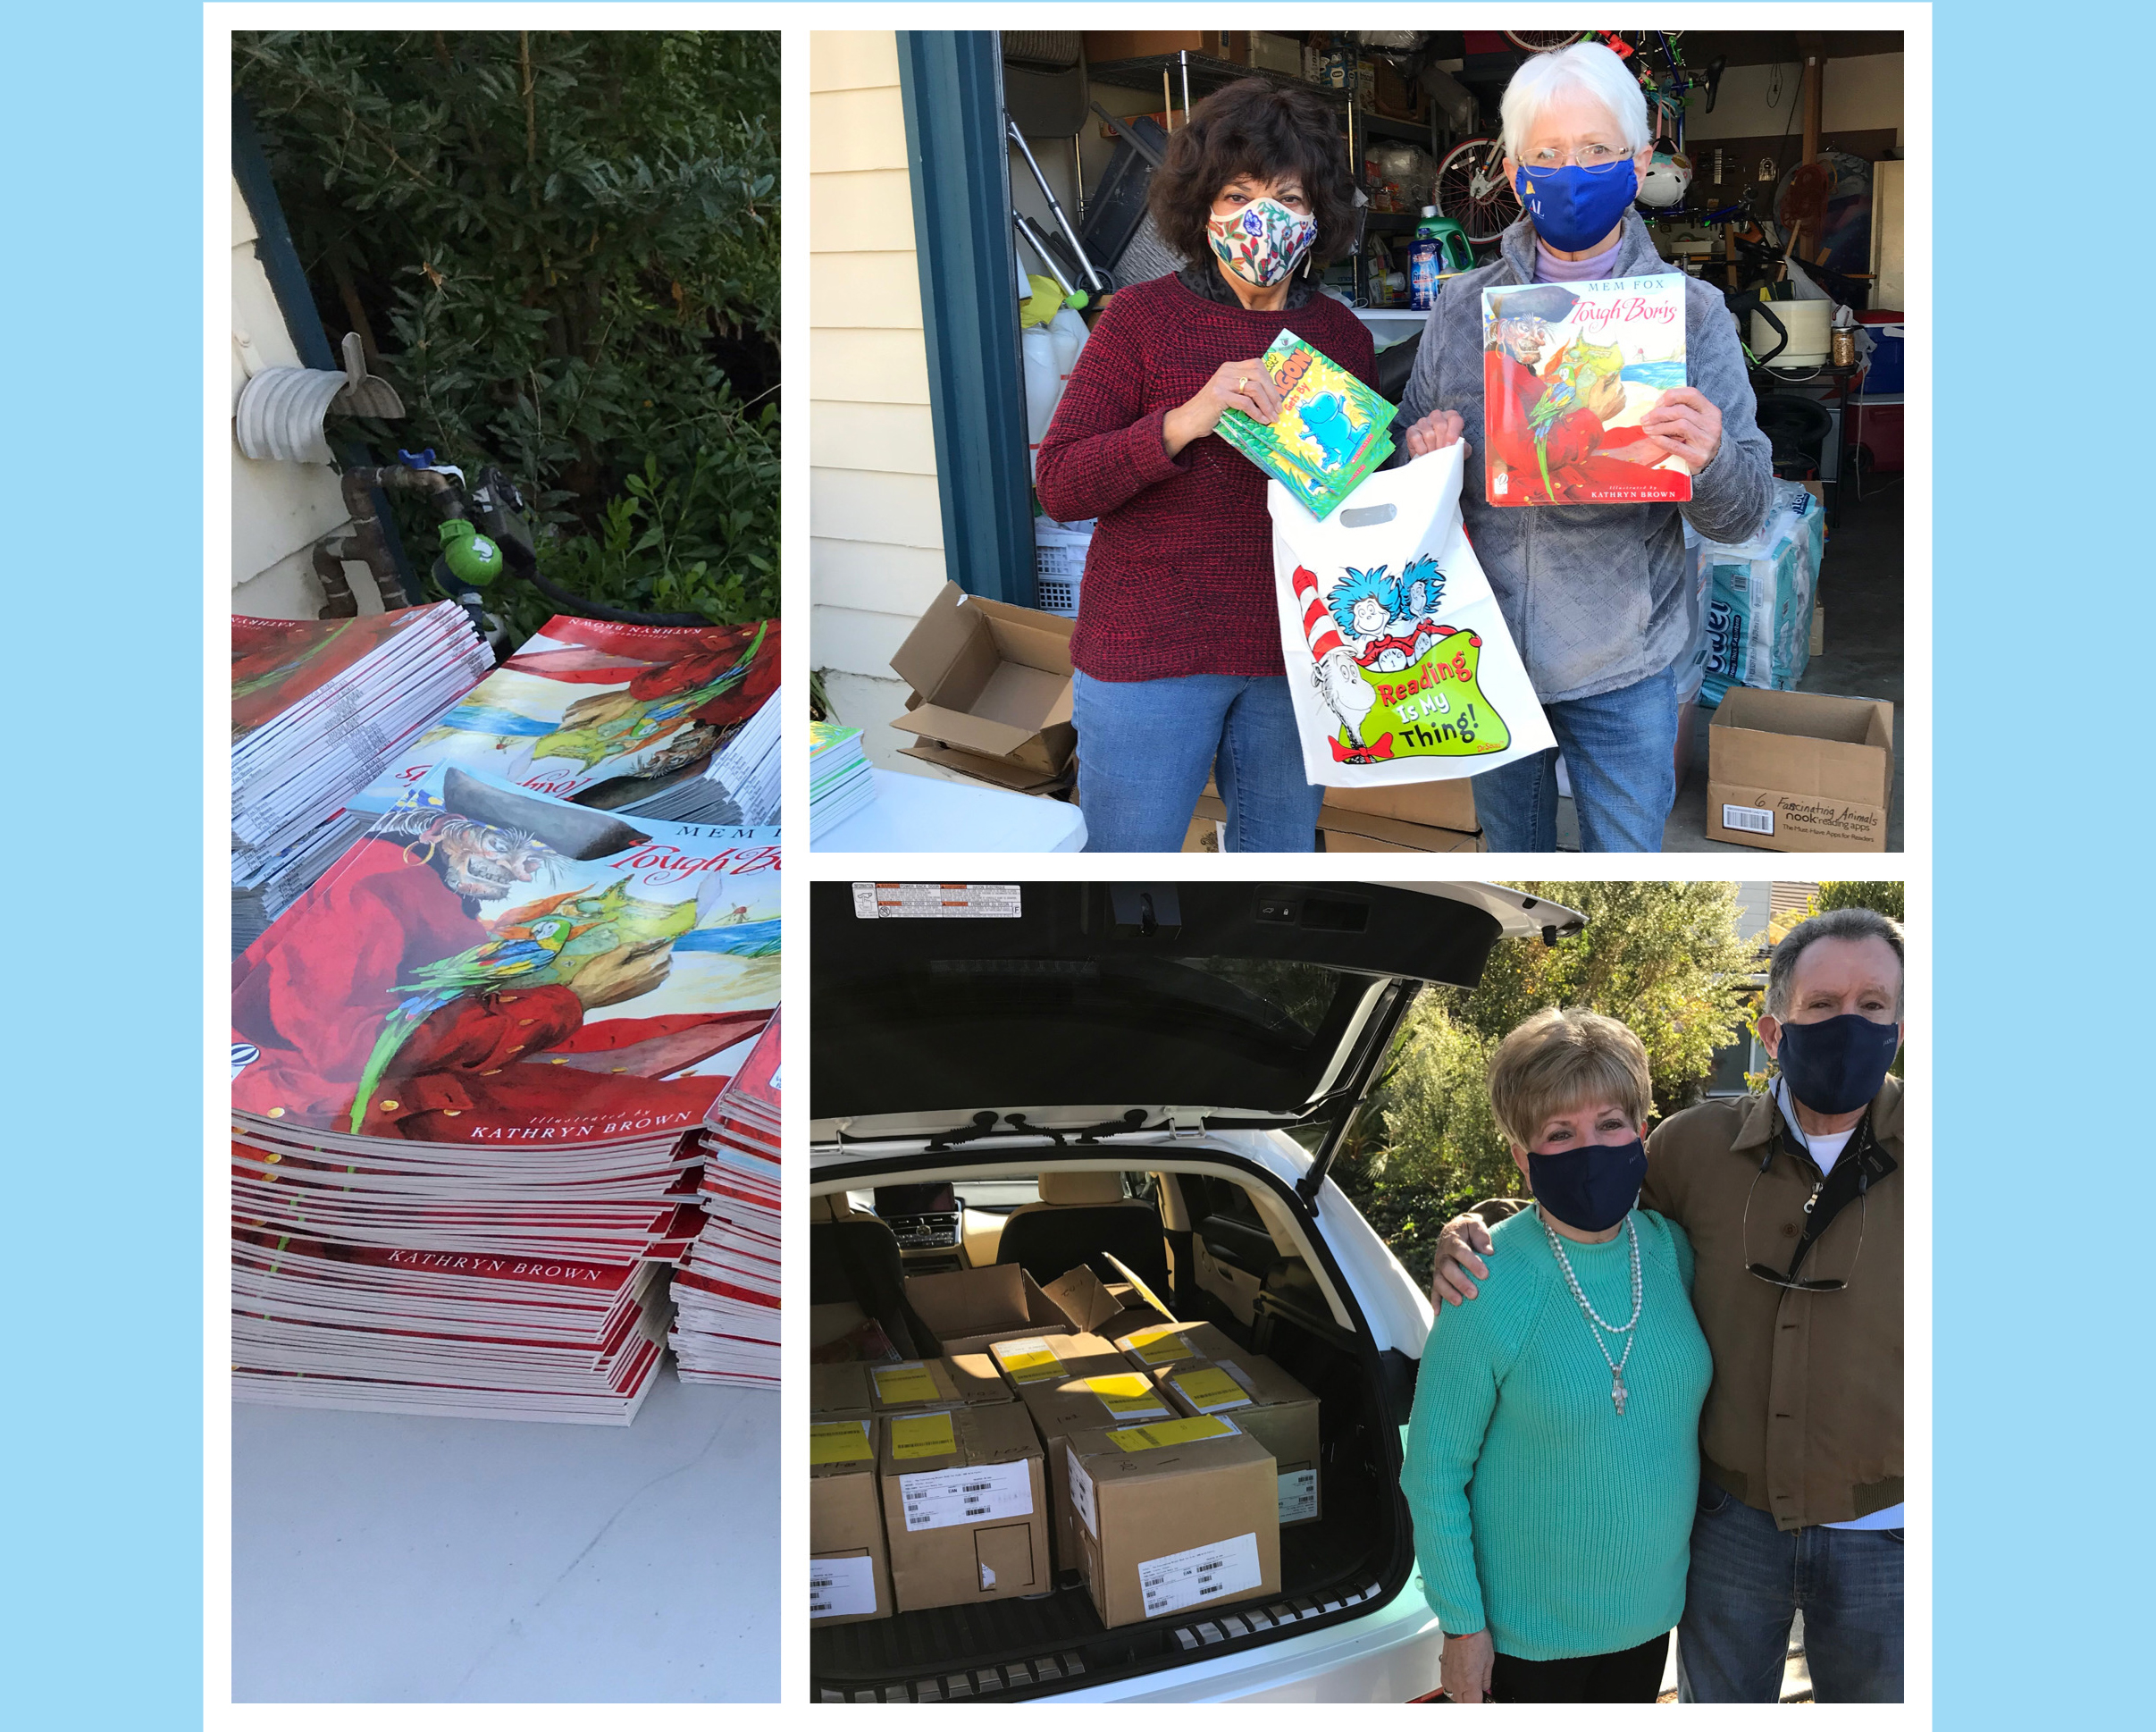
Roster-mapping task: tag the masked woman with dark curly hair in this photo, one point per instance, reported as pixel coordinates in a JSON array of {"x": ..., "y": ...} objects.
[{"x": 1177, "y": 646}]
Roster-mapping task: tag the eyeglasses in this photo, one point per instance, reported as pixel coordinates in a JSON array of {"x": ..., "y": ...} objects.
[
  {"x": 1592, "y": 157},
  {"x": 1857, "y": 1153}
]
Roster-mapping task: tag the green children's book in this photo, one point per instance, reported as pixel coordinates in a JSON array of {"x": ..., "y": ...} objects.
[{"x": 1330, "y": 432}]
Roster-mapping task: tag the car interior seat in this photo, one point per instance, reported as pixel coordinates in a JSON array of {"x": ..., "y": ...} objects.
[
  {"x": 1080, "y": 1216},
  {"x": 853, "y": 1256}
]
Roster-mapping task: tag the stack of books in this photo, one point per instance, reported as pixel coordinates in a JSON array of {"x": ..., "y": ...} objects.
[
  {"x": 320, "y": 707},
  {"x": 472, "y": 1068},
  {"x": 675, "y": 724},
  {"x": 725, "y": 1291},
  {"x": 1330, "y": 432},
  {"x": 839, "y": 782}
]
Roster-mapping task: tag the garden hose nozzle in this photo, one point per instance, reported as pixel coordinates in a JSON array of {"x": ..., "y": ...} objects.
[{"x": 471, "y": 556}]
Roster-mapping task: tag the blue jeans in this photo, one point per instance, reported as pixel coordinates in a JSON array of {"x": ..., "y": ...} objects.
[
  {"x": 1748, "y": 1580},
  {"x": 1146, "y": 745},
  {"x": 1621, "y": 752}
]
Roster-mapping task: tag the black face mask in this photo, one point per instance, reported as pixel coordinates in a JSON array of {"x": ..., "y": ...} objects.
[
  {"x": 1836, "y": 1065},
  {"x": 1591, "y": 1189}
]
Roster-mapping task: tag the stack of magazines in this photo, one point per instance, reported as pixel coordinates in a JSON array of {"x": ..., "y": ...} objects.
[
  {"x": 320, "y": 707},
  {"x": 725, "y": 1291},
  {"x": 675, "y": 724},
  {"x": 839, "y": 782},
  {"x": 1330, "y": 431},
  {"x": 494, "y": 1029}
]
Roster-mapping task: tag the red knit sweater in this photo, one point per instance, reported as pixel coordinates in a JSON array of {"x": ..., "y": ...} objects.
[{"x": 1179, "y": 577}]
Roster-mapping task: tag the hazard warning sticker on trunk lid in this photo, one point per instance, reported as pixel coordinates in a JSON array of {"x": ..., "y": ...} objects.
[{"x": 936, "y": 901}]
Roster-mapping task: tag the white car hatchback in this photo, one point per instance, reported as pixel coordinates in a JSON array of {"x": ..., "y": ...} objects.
[{"x": 1151, "y": 1079}]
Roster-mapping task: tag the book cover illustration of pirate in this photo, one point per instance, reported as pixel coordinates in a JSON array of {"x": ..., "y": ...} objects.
[
  {"x": 488, "y": 963},
  {"x": 1330, "y": 432},
  {"x": 1569, "y": 370},
  {"x": 651, "y": 721}
]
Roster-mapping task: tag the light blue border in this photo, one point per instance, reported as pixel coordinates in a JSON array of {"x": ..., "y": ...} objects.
[
  {"x": 2043, "y": 1296},
  {"x": 101, "y": 304}
]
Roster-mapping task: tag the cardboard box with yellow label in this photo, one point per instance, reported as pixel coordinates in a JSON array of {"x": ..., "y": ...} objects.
[
  {"x": 839, "y": 1389},
  {"x": 964, "y": 1379},
  {"x": 1098, "y": 1401},
  {"x": 1173, "y": 1517},
  {"x": 848, "y": 1567},
  {"x": 1268, "y": 1404},
  {"x": 1170, "y": 1343},
  {"x": 1053, "y": 1359},
  {"x": 965, "y": 1507}
]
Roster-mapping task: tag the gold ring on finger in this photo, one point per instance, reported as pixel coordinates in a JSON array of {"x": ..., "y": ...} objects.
[{"x": 1244, "y": 380}]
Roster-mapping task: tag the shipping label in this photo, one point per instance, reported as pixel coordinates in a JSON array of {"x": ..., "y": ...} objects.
[
  {"x": 842, "y": 1587},
  {"x": 1032, "y": 1361},
  {"x": 1210, "y": 1390},
  {"x": 1081, "y": 1494},
  {"x": 834, "y": 1440},
  {"x": 917, "y": 1434},
  {"x": 1130, "y": 1396},
  {"x": 1183, "y": 1579},
  {"x": 1161, "y": 1347},
  {"x": 1131, "y": 1439},
  {"x": 958, "y": 1497},
  {"x": 1299, "y": 1496},
  {"x": 936, "y": 901},
  {"x": 904, "y": 1385},
  {"x": 1755, "y": 819}
]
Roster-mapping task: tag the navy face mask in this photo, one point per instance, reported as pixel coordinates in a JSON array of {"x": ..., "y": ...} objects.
[
  {"x": 1591, "y": 1189},
  {"x": 1836, "y": 1065},
  {"x": 1574, "y": 207}
]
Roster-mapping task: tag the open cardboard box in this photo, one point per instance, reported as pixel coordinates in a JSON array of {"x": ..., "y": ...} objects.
[
  {"x": 990, "y": 679},
  {"x": 1112, "y": 1309},
  {"x": 972, "y": 1309},
  {"x": 990, "y": 772},
  {"x": 1800, "y": 772}
]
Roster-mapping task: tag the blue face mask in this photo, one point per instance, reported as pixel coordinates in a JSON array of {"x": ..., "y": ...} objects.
[
  {"x": 1836, "y": 1065},
  {"x": 1574, "y": 207},
  {"x": 1591, "y": 1189}
]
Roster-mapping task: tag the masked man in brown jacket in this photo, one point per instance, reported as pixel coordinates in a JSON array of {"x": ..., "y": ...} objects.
[{"x": 1792, "y": 1201}]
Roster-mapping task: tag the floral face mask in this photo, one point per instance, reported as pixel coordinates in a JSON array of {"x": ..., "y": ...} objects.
[{"x": 1262, "y": 242}]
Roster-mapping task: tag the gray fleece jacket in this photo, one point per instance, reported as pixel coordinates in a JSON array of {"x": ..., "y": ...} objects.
[{"x": 1597, "y": 597}]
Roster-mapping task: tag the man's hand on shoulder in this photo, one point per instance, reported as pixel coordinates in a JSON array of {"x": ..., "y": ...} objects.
[{"x": 1461, "y": 1249}]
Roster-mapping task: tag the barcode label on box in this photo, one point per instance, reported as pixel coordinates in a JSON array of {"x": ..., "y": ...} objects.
[
  {"x": 1299, "y": 1496},
  {"x": 1203, "y": 1573},
  {"x": 1755, "y": 819},
  {"x": 842, "y": 1587},
  {"x": 936, "y": 901},
  {"x": 1081, "y": 1494},
  {"x": 957, "y": 1497}
]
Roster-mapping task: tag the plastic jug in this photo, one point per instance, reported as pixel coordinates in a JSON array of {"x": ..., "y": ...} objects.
[
  {"x": 1068, "y": 331},
  {"x": 1043, "y": 385}
]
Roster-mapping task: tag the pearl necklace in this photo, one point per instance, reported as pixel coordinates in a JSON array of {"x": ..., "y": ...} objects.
[{"x": 1596, "y": 1322}]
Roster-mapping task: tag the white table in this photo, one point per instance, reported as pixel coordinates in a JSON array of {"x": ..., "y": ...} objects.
[
  {"x": 924, "y": 814},
  {"x": 384, "y": 1557}
]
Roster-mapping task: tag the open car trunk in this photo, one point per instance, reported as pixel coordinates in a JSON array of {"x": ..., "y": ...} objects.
[{"x": 1355, "y": 1556}]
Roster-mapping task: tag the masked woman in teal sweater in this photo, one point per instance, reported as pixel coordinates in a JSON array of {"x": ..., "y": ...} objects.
[{"x": 1553, "y": 1459}]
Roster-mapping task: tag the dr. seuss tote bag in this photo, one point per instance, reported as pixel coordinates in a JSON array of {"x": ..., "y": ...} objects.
[{"x": 1398, "y": 659}]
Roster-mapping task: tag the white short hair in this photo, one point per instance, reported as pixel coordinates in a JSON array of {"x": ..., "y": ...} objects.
[{"x": 1587, "y": 69}]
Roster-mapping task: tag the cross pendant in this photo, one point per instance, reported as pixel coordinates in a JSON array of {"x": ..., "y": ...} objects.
[{"x": 1617, "y": 1392}]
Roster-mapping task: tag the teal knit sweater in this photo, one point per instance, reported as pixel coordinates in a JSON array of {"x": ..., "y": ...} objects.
[{"x": 1539, "y": 1512}]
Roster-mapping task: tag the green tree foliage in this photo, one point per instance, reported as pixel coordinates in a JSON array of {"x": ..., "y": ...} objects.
[
  {"x": 1882, "y": 896},
  {"x": 562, "y": 249},
  {"x": 1664, "y": 959}
]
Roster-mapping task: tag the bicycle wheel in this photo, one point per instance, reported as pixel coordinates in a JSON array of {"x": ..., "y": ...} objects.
[
  {"x": 1545, "y": 42},
  {"x": 1471, "y": 189}
]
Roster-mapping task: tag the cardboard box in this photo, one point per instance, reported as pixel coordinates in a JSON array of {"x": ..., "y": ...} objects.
[
  {"x": 840, "y": 1387},
  {"x": 849, "y": 1568},
  {"x": 1412, "y": 818},
  {"x": 1449, "y": 806},
  {"x": 1173, "y": 1517},
  {"x": 1170, "y": 1343},
  {"x": 1351, "y": 833},
  {"x": 1276, "y": 53},
  {"x": 971, "y": 1309},
  {"x": 1098, "y": 1401},
  {"x": 1800, "y": 772},
  {"x": 1108, "y": 1309},
  {"x": 963, "y": 1379},
  {"x": 990, "y": 679},
  {"x": 1818, "y": 629},
  {"x": 1269, "y": 1406},
  {"x": 1027, "y": 1359},
  {"x": 965, "y": 1507},
  {"x": 989, "y": 772},
  {"x": 828, "y": 1323}
]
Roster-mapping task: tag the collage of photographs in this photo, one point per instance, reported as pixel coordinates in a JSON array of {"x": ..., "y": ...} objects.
[{"x": 1194, "y": 1278}]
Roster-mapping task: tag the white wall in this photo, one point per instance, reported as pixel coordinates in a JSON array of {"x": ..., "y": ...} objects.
[
  {"x": 1862, "y": 95},
  {"x": 876, "y": 551},
  {"x": 279, "y": 510}
]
